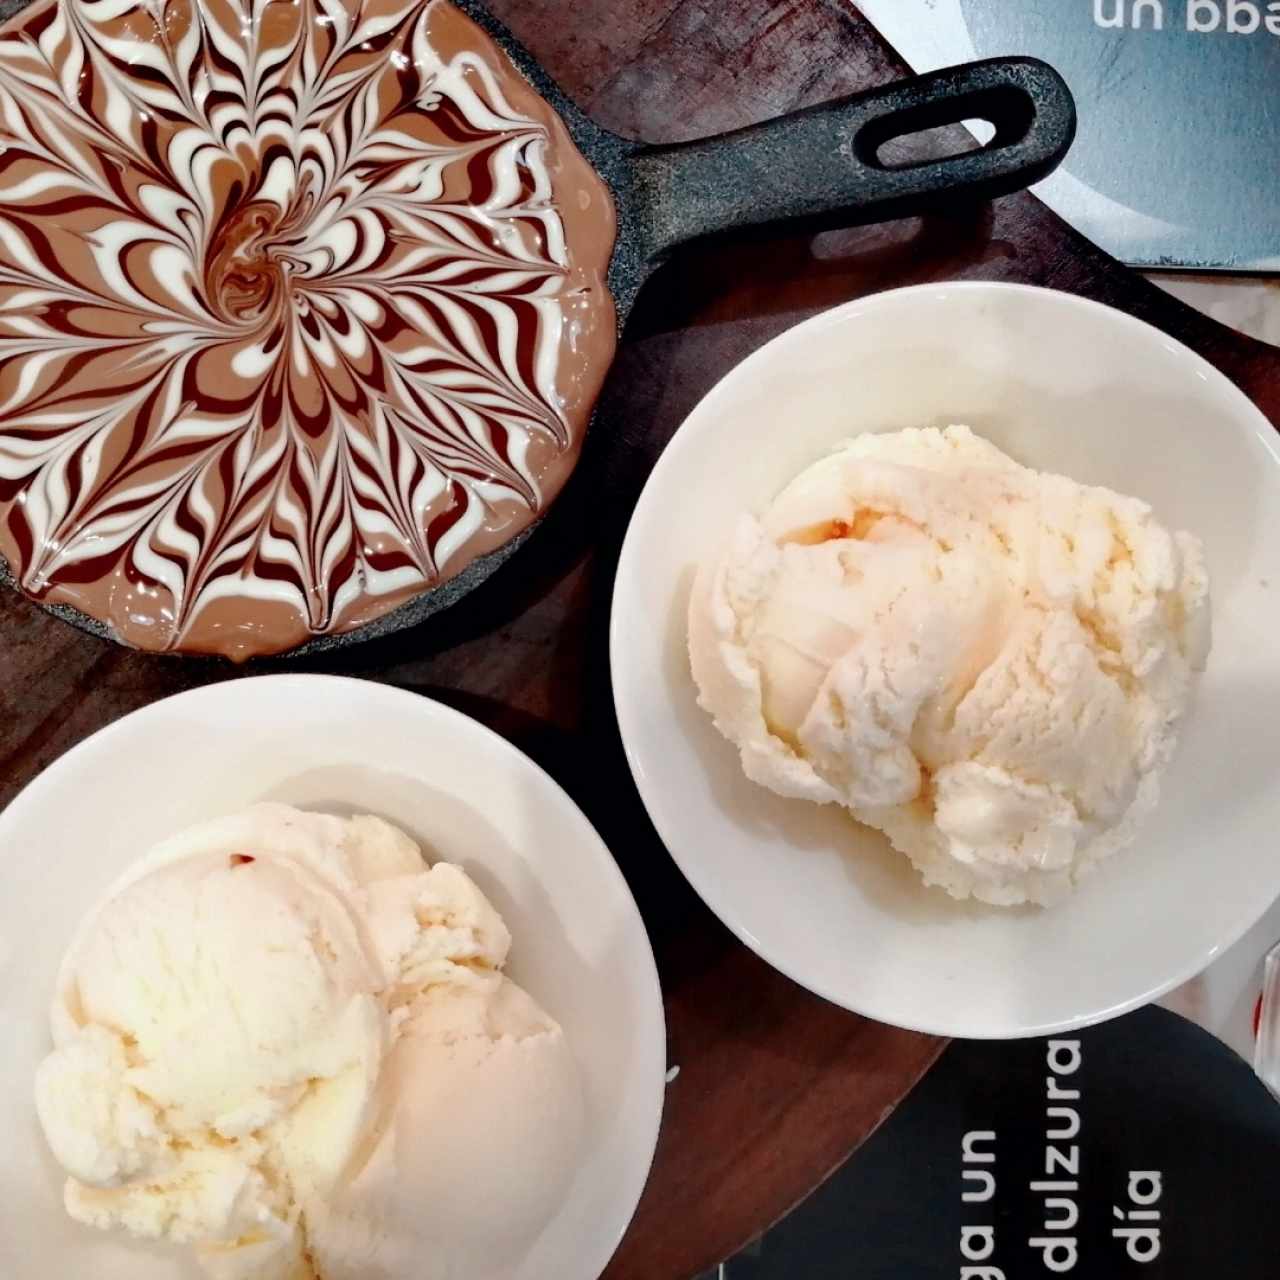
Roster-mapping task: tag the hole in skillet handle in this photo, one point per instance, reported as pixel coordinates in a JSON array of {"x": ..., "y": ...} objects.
[
  {"x": 933, "y": 144},
  {"x": 1008, "y": 111}
]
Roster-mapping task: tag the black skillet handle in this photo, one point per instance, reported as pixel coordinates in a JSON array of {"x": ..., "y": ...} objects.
[{"x": 819, "y": 166}]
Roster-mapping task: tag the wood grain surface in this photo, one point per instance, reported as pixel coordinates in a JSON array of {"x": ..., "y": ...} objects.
[{"x": 775, "y": 1087}]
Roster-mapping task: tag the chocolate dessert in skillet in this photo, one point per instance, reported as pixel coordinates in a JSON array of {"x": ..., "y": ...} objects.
[{"x": 302, "y": 310}]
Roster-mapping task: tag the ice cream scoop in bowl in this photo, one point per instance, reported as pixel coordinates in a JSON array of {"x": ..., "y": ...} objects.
[
  {"x": 356, "y": 993},
  {"x": 986, "y": 665}
]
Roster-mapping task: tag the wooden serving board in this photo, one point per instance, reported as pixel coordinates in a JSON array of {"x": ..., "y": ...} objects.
[{"x": 776, "y": 1087}]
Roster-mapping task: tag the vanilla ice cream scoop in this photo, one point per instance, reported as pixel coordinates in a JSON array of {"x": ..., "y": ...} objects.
[
  {"x": 986, "y": 663},
  {"x": 248, "y": 1032}
]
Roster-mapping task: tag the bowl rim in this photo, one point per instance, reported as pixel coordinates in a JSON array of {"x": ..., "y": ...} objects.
[
  {"x": 629, "y": 565},
  {"x": 651, "y": 1003}
]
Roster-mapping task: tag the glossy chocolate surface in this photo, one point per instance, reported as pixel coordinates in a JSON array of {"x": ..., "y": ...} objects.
[{"x": 302, "y": 310}]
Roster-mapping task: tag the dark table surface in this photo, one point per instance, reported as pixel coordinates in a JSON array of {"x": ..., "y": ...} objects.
[{"x": 776, "y": 1087}]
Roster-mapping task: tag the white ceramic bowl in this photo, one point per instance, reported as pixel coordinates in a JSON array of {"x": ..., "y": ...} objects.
[
  {"x": 342, "y": 746},
  {"x": 1061, "y": 384}
]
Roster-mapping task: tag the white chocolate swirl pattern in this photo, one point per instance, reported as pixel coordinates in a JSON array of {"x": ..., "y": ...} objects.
[{"x": 301, "y": 310}]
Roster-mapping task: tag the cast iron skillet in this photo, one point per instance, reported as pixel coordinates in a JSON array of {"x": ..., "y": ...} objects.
[{"x": 812, "y": 169}]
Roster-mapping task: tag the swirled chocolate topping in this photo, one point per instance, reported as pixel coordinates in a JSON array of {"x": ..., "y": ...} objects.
[{"x": 302, "y": 309}]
